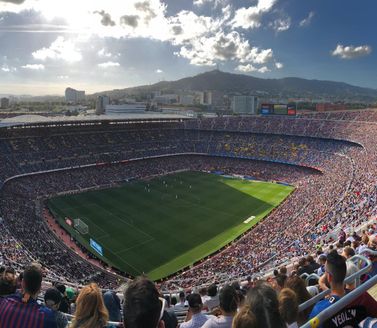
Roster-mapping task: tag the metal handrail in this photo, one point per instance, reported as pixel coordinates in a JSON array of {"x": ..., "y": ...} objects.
[
  {"x": 349, "y": 279},
  {"x": 339, "y": 305}
]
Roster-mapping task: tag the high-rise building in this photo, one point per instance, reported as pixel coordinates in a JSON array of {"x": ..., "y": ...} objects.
[
  {"x": 207, "y": 98},
  {"x": 244, "y": 104},
  {"x": 74, "y": 96},
  {"x": 4, "y": 103},
  {"x": 101, "y": 103}
]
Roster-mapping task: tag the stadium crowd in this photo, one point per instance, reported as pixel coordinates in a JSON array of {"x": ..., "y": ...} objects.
[{"x": 336, "y": 191}]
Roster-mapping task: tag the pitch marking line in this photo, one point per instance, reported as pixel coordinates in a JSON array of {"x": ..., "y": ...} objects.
[{"x": 134, "y": 246}]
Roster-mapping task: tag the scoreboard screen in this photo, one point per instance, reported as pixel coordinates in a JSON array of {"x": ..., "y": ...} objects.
[
  {"x": 97, "y": 247},
  {"x": 280, "y": 109},
  {"x": 266, "y": 109}
]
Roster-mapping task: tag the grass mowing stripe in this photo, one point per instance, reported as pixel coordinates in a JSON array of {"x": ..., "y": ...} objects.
[{"x": 165, "y": 224}]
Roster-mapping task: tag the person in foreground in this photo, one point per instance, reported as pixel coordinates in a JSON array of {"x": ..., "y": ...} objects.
[
  {"x": 90, "y": 309},
  {"x": 355, "y": 312},
  {"x": 21, "y": 310},
  {"x": 228, "y": 305},
  {"x": 143, "y": 307}
]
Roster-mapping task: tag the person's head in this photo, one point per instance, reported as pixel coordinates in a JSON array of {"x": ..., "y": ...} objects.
[
  {"x": 182, "y": 296},
  {"x": 32, "y": 281},
  {"x": 372, "y": 242},
  {"x": 8, "y": 283},
  {"x": 280, "y": 281},
  {"x": 212, "y": 290},
  {"x": 90, "y": 308},
  {"x": 288, "y": 305},
  {"x": 336, "y": 269},
  {"x": 245, "y": 318},
  {"x": 310, "y": 259},
  {"x": 283, "y": 270},
  {"x": 298, "y": 286},
  {"x": 228, "y": 299},
  {"x": 173, "y": 300},
  {"x": 143, "y": 307},
  {"x": 263, "y": 301},
  {"x": 203, "y": 291},
  {"x": 195, "y": 303},
  {"x": 348, "y": 252},
  {"x": 61, "y": 288},
  {"x": 322, "y": 259},
  {"x": 53, "y": 298},
  {"x": 302, "y": 262}
]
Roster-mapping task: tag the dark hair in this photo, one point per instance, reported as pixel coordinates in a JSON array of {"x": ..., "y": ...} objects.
[
  {"x": 336, "y": 267},
  {"x": 288, "y": 305},
  {"x": 280, "y": 280},
  {"x": 8, "y": 283},
  {"x": 141, "y": 304},
  {"x": 264, "y": 304},
  {"x": 60, "y": 288},
  {"x": 173, "y": 300},
  {"x": 182, "y": 294},
  {"x": 32, "y": 279},
  {"x": 212, "y": 290},
  {"x": 228, "y": 299},
  {"x": 283, "y": 270}
]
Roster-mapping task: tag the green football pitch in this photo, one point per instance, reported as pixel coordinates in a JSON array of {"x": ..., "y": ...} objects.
[{"x": 160, "y": 226}]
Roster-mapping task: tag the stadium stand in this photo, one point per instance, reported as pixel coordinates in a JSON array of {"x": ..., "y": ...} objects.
[{"x": 330, "y": 158}]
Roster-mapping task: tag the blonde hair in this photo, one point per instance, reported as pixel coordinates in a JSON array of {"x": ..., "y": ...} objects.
[
  {"x": 245, "y": 318},
  {"x": 288, "y": 305},
  {"x": 90, "y": 309}
]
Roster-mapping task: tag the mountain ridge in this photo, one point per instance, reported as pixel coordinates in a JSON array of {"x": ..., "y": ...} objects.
[{"x": 232, "y": 83}]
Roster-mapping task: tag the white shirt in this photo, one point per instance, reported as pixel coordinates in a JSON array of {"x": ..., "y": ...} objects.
[
  {"x": 220, "y": 322},
  {"x": 197, "y": 321}
]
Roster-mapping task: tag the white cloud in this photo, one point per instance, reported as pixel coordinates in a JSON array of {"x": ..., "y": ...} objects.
[
  {"x": 250, "y": 68},
  {"x": 159, "y": 71},
  {"x": 63, "y": 77},
  {"x": 108, "y": 64},
  {"x": 279, "y": 65},
  {"x": 249, "y": 18},
  {"x": 104, "y": 53},
  {"x": 281, "y": 24},
  {"x": 216, "y": 3},
  {"x": 351, "y": 52},
  {"x": 307, "y": 21},
  {"x": 34, "y": 67},
  {"x": 60, "y": 49}
]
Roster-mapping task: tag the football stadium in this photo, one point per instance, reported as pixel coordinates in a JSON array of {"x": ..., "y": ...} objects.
[{"x": 216, "y": 205}]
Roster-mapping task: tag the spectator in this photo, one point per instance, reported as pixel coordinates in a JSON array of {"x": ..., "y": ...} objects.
[
  {"x": 52, "y": 299},
  {"x": 288, "y": 307},
  {"x": 143, "y": 307},
  {"x": 263, "y": 301},
  {"x": 21, "y": 310},
  {"x": 112, "y": 303},
  {"x": 8, "y": 284},
  {"x": 245, "y": 318},
  {"x": 228, "y": 306},
  {"x": 355, "y": 312},
  {"x": 65, "y": 303},
  {"x": 298, "y": 286},
  {"x": 195, "y": 318},
  {"x": 90, "y": 309},
  {"x": 213, "y": 298}
]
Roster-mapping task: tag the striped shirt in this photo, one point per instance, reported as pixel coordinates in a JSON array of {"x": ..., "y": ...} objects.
[{"x": 16, "y": 314}]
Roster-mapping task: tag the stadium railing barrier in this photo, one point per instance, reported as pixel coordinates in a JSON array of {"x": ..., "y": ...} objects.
[
  {"x": 356, "y": 275},
  {"x": 344, "y": 301},
  {"x": 339, "y": 305}
]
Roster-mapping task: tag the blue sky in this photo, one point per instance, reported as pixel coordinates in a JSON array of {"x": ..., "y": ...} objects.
[{"x": 47, "y": 45}]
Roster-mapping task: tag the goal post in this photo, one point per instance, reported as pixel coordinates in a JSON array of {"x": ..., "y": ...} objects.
[{"x": 81, "y": 226}]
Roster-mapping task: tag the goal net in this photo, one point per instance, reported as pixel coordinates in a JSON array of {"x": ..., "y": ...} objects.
[{"x": 81, "y": 226}]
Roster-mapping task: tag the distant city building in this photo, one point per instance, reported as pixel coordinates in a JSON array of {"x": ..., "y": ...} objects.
[
  {"x": 244, "y": 104},
  {"x": 101, "y": 104},
  {"x": 207, "y": 98},
  {"x": 166, "y": 99},
  {"x": 324, "y": 107},
  {"x": 187, "y": 100},
  {"x": 217, "y": 99},
  {"x": 125, "y": 108},
  {"x": 4, "y": 103},
  {"x": 74, "y": 96}
]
